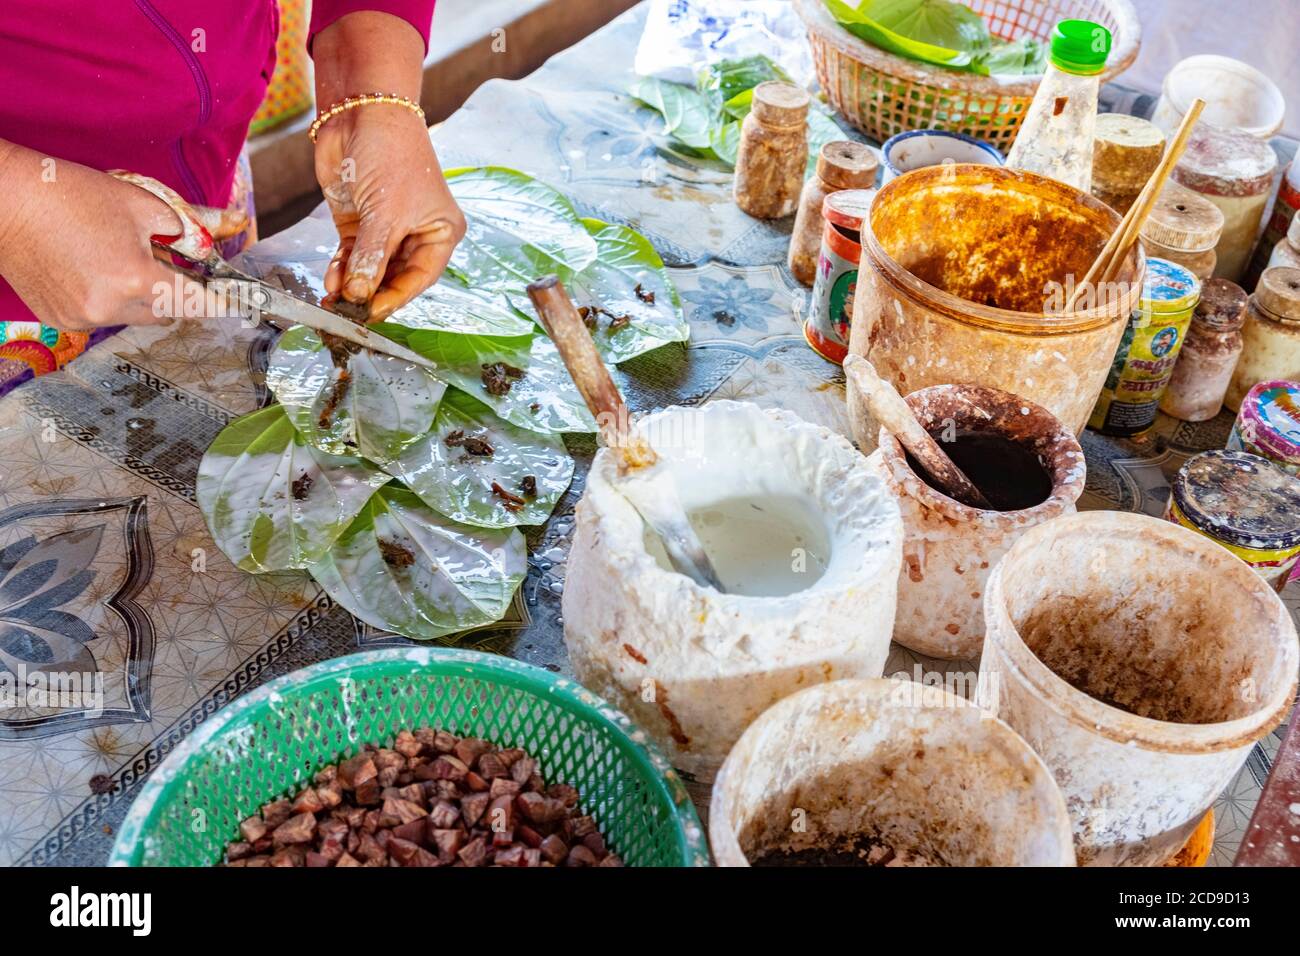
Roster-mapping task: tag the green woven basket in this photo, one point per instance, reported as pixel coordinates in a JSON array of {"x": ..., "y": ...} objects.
[{"x": 264, "y": 746}]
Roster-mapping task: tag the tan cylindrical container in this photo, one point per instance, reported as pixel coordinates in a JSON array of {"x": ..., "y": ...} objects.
[
  {"x": 1141, "y": 661},
  {"x": 841, "y": 165},
  {"x": 949, "y": 548},
  {"x": 1233, "y": 170},
  {"x": 965, "y": 273},
  {"x": 1271, "y": 335},
  {"x": 806, "y": 540},
  {"x": 1287, "y": 251},
  {"x": 773, "y": 153},
  {"x": 899, "y": 765},
  {"x": 1184, "y": 228},
  {"x": 1209, "y": 353},
  {"x": 1125, "y": 152}
]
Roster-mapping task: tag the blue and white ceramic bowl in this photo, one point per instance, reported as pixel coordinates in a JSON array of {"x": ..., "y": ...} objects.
[{"x": 930, "y": 147}]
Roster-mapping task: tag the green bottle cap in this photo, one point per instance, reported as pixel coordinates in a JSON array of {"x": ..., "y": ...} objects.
[{"x": 1080, "y": 47}]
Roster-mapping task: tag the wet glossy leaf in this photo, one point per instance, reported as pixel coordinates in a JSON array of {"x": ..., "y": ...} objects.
[
  {"x": 454, "y": 468},
  {"x": 450, "y": 306},
  {"x": 517, "y": 229},
  {"x": 627, "y": 322},
  {"x": 403, "y": 567},
  {"x": 543, "y": 399},
  {"x": 380, "y": 407},
  {"x": 271, "y": 500}
]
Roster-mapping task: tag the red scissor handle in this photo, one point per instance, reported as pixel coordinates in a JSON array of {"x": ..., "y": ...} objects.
[{"x": 194, "y": 242}]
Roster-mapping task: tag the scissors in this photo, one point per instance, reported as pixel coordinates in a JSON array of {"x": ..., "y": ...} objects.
[{"x": 195, "y": 244}]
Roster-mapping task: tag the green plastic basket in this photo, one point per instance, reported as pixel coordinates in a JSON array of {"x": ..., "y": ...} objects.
[{"x": 264, "y": 746}]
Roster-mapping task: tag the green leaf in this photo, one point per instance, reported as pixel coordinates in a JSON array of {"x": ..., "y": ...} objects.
[
  {"x": 544, "y": 399},
  {"x": 454, "y": 481},
  {"x": 385, "y": 403},
  {"x": 272, "y": 501},
  {"x": 517, "y": 229},
  {"x": 724, "y": 139},
  {"x": 451, "y": 306},
  {"x": 626, "y": 261},
  {"x": 724, "y": 81},
  {"x": 938, "y": 23},
  {"x": 403, "y": 567},
  {"x": 685, "y": 110},
  {"x": 1025, "y": 56},
  {"x": 860, "y": 24}
]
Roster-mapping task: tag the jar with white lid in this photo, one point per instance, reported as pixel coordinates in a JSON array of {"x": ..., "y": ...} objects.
[
  {"x": 1287, "y": 251},
  {"x": 1183, "y": 227},
  {"x": 1234, "y": 171},
  {"x": 1271, "y": 335}
]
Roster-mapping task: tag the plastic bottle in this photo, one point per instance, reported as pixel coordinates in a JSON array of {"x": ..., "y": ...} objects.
[{"x": 1056, "y": 139}]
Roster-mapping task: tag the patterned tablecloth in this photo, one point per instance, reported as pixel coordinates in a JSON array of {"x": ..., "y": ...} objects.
[{"x": 105, "y": 563}]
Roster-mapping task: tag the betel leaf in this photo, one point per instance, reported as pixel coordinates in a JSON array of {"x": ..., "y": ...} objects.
[
  {"x": 640, "y": 308},
  {"x": 685, "y": 111},
  {"x": 862, "y": 25},
  {"x": 1025, "y": 56},
  {"x": 939, "y": 23},
  {"x": 451, "y": 306},
  {"x": 381, "y": 405},
  {"x": 517, "y": 229},
  {"x": 725, "y": 80},
  {"x": 402, "y": 567},
  {"x": 541, "y": 399},
  {"x": 471, "y": 460},
  {"x": 272, "y": 501}
]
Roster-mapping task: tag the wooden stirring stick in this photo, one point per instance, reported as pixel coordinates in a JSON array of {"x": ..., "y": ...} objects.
[
  {"x": 891, "y": 411},
  {"x": 653, "y": 492},
  {"x": 1112, "y": 256}
]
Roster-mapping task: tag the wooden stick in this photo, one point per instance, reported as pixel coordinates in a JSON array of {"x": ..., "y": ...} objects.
[
  {"x": 892, "y": 411},
  {"x": 571, "y": 336},
  {"x": 1112, "y": 256}
]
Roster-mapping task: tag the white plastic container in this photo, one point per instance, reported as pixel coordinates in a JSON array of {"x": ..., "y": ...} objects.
[
  {"x": 1141, "y": 661},
  {"x": 1237, "y": 96},
  {"x": 691, "y": 665},
  {"x": 912, "y": 767},
  {"x": 1056, "y": 138}
]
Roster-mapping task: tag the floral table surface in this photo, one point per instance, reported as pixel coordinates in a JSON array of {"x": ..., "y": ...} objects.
[{"x": 106, "y": 566}]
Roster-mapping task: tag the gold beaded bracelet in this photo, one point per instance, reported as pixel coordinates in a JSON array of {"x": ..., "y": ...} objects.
[{"x": 365, "y": 99}]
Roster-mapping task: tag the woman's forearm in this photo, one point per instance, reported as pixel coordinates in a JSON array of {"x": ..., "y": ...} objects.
[{"x": 367, "y": 52}]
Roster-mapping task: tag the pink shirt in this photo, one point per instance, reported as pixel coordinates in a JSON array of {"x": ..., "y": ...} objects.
[{"x": 162, "y": 87}]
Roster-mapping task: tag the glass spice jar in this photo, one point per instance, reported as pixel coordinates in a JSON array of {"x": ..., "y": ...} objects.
[
  {"x": 841, "y": 165},
  {"x": 1233, "y": 170},
  {"x": 1183, "y": 228},
  {"x": 1271, "y": 335},
  {"x": 1210, "y": 352},
  {"x": 773, "y": 154}
]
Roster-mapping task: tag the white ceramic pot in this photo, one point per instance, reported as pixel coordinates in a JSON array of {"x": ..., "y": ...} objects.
[
  {"x": 694, "y": 666},
  {"x": 932, "y": 147}
]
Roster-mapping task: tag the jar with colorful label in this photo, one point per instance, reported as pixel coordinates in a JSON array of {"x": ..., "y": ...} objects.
[
  {"x": 831, "y": 312},
  {"x": 1268, "y": 424},
  {"x": 1147, "y": 352},
  {"x": 1246, "y": 504}
]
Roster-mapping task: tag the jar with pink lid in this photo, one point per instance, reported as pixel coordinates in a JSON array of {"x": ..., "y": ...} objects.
[{"x": 1268, "y": 424}]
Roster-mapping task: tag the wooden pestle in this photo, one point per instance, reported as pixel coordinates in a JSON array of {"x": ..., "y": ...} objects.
[
  {"x": 654, "y": 495},
  {"x": 892, "y": 411}
]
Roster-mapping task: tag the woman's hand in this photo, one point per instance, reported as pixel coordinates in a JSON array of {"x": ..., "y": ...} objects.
[
  {"x": 74, "y": 243},
  {"x": 396, "y": 218}
]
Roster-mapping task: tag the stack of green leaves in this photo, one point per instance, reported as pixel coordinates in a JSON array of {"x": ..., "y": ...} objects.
[
  {"x": 401, "y": 490},
  {"x": 940, "y": 32},
  {"x": 704, "y": 120}
]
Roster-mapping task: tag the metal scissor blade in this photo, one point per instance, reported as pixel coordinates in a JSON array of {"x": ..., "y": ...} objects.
[{"x": 292, "y": 309}]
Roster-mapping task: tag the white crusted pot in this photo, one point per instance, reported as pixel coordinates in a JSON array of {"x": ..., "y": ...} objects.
[
  {"x": 950, "y": 548},
  {"x": 911, "y": 767},
  {"x": 694, "y": 666},
  {"x": 1194, "y": 652}
]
